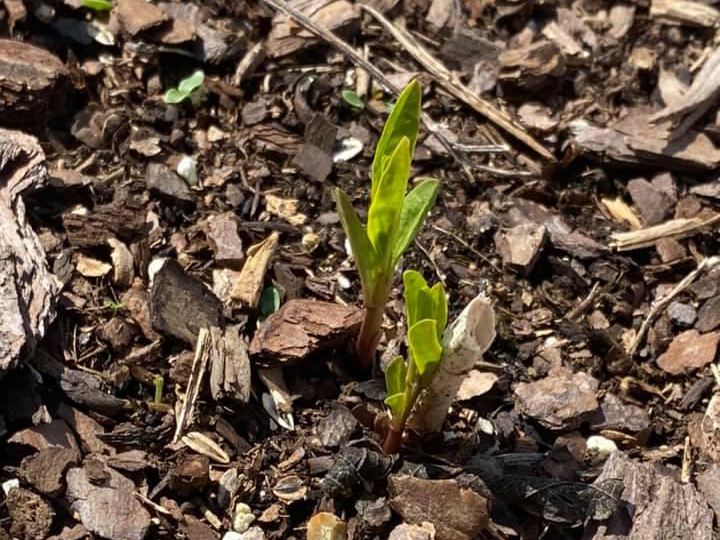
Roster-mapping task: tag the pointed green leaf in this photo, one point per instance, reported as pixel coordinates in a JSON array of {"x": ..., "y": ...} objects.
[
  {"x": 397, "y": 404},
  {"x": 98, "y": 5},
  {"x": 415, "y": 208},
  {"x": 413, "y": 283},
  {"x": 404, "y": 121},
  {"x": 395, "y": 376},
  {"x": 386, "y": 205},
  {"x": 363, "y": 251},
  {"x": 440, "y": 308},
  {"x": 424, "y": 345},
  {"x": 174, "y": 96},
  {"x": 192, "y": 83}
]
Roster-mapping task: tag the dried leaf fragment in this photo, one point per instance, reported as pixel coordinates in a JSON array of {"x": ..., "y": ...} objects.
[
  {"x": 249, "y": 286},
  {"x": 204, "y": 445}
]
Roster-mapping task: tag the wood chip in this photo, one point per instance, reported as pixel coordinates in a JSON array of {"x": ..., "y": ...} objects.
[
  {"x": 204, "y": 445},
  {"x": 123, "y": 263},
  {"x": 248, "y": 288},
  {"x": 685, "y": 12}
]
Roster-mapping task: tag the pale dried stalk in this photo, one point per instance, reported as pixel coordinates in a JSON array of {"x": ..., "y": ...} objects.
[
  {"x": 674, "y": 228},
  {"x": 706, "y": 264},
  {"x": 199, "y": 367},
  {"x": 464, "y": 343}
]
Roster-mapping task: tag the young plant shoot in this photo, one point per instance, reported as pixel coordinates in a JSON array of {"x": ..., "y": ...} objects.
[
  {"x": 426, "y": 311},
  {"x": 393, "y": 217}
]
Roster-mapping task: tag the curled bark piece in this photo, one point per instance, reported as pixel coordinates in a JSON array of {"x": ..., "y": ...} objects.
[{"x": 464, "y": 342}]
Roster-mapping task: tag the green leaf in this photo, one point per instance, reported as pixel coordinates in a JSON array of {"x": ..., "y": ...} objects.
[
  {"x": 395, "y": 376},
  {"x": 189, "y": 84},
  {"x": 269, "y": 301},
  {"x": 352, "y": 99},
  {"x": 415, "y": 208},
  {"x": 386, "y": 205},
  {"x": 419, "y": 303},
  {"x": 98, "y": 5},
  {"x": 425, "y": 347},
  {"x": 397, "y": 404},
  {"x": 440, "y": 308},
  {"x": 363, "y": 251},
  {"x": 404, "y": 121},
  {"x": 173, "y": 96}
]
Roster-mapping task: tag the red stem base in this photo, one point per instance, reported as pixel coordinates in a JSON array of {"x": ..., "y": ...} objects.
[{"x": 393, "y": 440}]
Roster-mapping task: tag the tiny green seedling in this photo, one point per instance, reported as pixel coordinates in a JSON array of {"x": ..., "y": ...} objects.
[
  {"x": 113, "y": 306},
  {"x": 427, "y": 312},
  {"x": 190, "y": 87},
  {"x": 98, "y": 5},
  {"x": 393, "y": 217},
  {"x": 352, "y": 99},
  {"x": 158, "y": 383}
]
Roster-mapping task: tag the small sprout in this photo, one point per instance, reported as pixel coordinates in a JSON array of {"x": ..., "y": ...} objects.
[
  {"x": 269, "y": 302},
  {"x": 114, "y": 306},
  {"x": 159, "y": 383},
  {"x": 394, "y": 218},
  {"x": 188, "y": 87},
  {"x": 98, "y": 5},
  {"x": 352, "y": 99},
  {"x": 427, "y": 313}
]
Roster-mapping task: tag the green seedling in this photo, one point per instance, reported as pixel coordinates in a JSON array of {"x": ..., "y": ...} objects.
[
  {"x": 113, "y": 306},
  {"x": 393, "y": 217},
  {"x": 352, "y": 99},
  {"x": 98, "y": 5},
  {"x": 190, "y": 87},
  {"x": 158, "y": 383},
  {"x": 426, "y": 312}
]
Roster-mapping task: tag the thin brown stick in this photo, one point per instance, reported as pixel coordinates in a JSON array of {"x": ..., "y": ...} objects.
[
  {"x": 706, "y": 264},
  {"x": 451, "y": 83},
  {"x": 378, "y": 75}
]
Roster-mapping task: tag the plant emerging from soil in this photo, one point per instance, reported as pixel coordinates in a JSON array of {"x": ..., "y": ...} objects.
[
  {"x": 190, "y": 87},
  {"x": 393, "y": 217},
  {"x": 426, "y": 311}
]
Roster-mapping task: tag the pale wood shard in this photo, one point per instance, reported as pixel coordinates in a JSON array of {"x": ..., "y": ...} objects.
[
  {"x": 674, "y": 228},
  {"x": 702, "y": 94},
  {"x": 285, "y": 36},
  {"x": 685, "y": 12},
  {"x": 249, "y": 286},
  {"x": 186, "y": 402},
  {"x": 27, "y": 288},
  {"x": 230, "y": 373}
]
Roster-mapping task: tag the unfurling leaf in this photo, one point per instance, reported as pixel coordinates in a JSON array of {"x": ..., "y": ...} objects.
[
  {"x": 404, "y": 121},
  {"x": 425, "y": 347},
  {"x": 415, "y": 208},
  {"x": 363, "y": 251},
  {"x": 385, "y": 207},
  {"x": 440, "y": 308},
  {"x": 395, "y": 376},
  {"x": 397, "y": 404},
  {"x": 419, "y": 303},
  {"x": 98, "y": 5}
]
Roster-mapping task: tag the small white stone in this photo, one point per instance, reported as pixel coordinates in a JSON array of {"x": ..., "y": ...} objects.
[
  {"x": 232, "y": 535},
  {"x": 343, "y": 282},
  {"x": 601, "y": 446},
  {"x": 243, "y": 517},
  {"x": 187, "y": 168},
  {"x": 9, "y": 485}
]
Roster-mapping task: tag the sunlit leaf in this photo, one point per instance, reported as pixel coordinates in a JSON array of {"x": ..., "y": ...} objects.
[
  {"x": 363, "y": 251},
  {"x": 98, "y": 5},
  {"x": 404, "y": 121},
  {"x": 415, "y": 208},
  {"x": 419, "y": 303},
  {"x": 385, "y": 206},
  {"x": 192, "y": 83},
  {"x": 173, "y": 96},
  {"x": 425, "y": 347}
]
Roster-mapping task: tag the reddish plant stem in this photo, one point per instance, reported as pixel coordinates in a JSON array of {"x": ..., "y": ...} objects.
[
  {"x": 393, "y": 440},
  {"x": 369, "y": 337}
]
